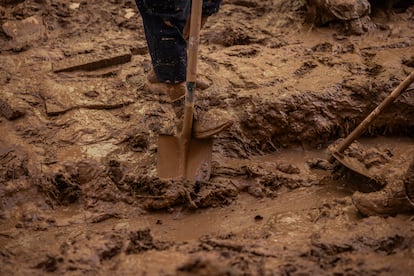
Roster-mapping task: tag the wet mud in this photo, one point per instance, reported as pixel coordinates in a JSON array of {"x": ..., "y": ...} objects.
[{"x": 78, "y": 183}]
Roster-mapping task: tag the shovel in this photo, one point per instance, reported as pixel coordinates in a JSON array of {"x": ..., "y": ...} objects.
[
  {"x": 185, "y": 157},
  {"x": 350, "y": 163}
]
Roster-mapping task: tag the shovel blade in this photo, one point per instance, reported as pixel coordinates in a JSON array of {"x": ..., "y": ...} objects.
[
  {"x": 353, "y": 165},
  {"x": 170, "y": 158}
]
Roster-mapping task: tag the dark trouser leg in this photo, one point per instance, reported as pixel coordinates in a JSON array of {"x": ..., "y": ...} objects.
[{"x": 164, "y": 21}]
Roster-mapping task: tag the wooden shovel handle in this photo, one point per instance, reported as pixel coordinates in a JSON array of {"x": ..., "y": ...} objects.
[
  {"x": 193, "y": 41},
  {"x": 374, "y": 114}
]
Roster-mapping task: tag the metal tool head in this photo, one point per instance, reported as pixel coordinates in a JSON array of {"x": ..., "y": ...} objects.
[
  {"x": 353, "y": 165},
  {"x": 196, "y": 161}
]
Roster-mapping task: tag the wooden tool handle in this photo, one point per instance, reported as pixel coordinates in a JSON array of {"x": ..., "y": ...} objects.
[
  {"x": 374, "y": 114},
  {"x": 195, "y": 25},
  {"x": 193, "y": 41}
]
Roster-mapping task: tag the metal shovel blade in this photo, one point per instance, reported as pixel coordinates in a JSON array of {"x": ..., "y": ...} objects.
[
  {"x": 353, "y": 165},
  {"x": 170, "y": 158}
]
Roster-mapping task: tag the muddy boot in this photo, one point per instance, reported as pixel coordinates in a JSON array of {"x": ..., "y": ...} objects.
[
  {"x": 397, "y": 197},
  {"x": 210, "y": 122},
  {"x": 174, "y": 92},
  {"x": 206, "y": 124},
  {"x": 201, "y": 84}
]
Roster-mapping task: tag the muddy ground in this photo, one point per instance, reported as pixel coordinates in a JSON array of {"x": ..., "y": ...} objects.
[{"x": 79, "y": 189}]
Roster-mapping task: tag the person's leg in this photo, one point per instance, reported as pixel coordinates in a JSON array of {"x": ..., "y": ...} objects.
[{"x": 164, "y": 21}]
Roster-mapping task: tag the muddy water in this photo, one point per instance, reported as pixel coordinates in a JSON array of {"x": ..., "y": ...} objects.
[
  {"x": 247, "y": 213},
  {"x": 288, "y": 218},
  {"x": 286, "y": 223},
  {"x": 183, "y": 225}
]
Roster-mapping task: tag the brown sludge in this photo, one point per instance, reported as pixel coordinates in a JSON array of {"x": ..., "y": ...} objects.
[{"x": 78, "y": 183}]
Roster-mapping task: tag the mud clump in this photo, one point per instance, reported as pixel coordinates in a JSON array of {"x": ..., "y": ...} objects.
[
  {"x": 142, "y": 240},
  {"x": 161, "y": 194},
  {"x": 332, "y": 254},
  {"x": 13, "y": 164},
  {"x": 138, "y": 142},
  {"x": 87, "y": 181},
  {"x": 68, "y": 191},
  {"x": 233, "y": 36},
  {"x": 409, "y": 62},
  {"x": 88, "y": 252},
  {"x": 205, "y": 266},
  {"x": 10, "y": 2}
]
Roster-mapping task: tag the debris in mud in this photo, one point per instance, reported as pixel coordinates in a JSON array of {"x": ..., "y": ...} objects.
[
  {"x": 24, "y": 32},
  {"x": 209, "y": 194},
  {"x": 5, "y": 76},
  {"x": 13, "y": 164},
  {"x": 354, "y": 13},
  {"x": 11, "y": 109},
  {"x": 260, "y": 181},
  {"x": 8, "y": 2},
  {"x": 319, "y": 163},
  {"x": 305, "y": 68},
  {"x": 82, "y": 181},
  {"x": 142, "y": 240},
  {"x": 50, "y": 264},
  {"x": 68, "y": 190},
  {"x": 86, "y": 252},
  {"x": 233, "y": 36},
  {"x": 231, "y": 257},
  {"x": 64, "y": 95},
  {"x": 93, "y": 61},
  {"x": 137, "y": 141},
  {"x": 258, "y": 217},
  {"x": 163, "y": 194},
  {"x": 205, "y": 267},
  {"x": 409, "y": 62},
  {"x": 368, "y": 235}
]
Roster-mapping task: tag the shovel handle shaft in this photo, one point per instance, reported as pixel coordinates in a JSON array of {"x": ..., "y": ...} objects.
[
  {"x": 374, "y": 114},
  {"x": 193, "y": 41},
  {"x": 195, "y": 25}
]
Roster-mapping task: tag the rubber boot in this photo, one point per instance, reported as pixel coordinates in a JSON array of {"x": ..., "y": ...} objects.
[
  {"x": 205, "y": 124},
  {"x": 152, "y": 78},
  {"x": 397, "y": 197}
]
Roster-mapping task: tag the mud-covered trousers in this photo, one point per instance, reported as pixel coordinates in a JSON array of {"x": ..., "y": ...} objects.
[{"x": 164, "y": 22}]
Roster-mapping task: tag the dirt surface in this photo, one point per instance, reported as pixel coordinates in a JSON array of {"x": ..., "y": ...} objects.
[{"x": 78, "y": 183}]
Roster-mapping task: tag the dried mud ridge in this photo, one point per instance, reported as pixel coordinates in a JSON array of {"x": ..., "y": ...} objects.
[{"x": 77, "y": 156}]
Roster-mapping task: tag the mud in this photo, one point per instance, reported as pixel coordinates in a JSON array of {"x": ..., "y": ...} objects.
[{"x": 78, "y": 182}]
